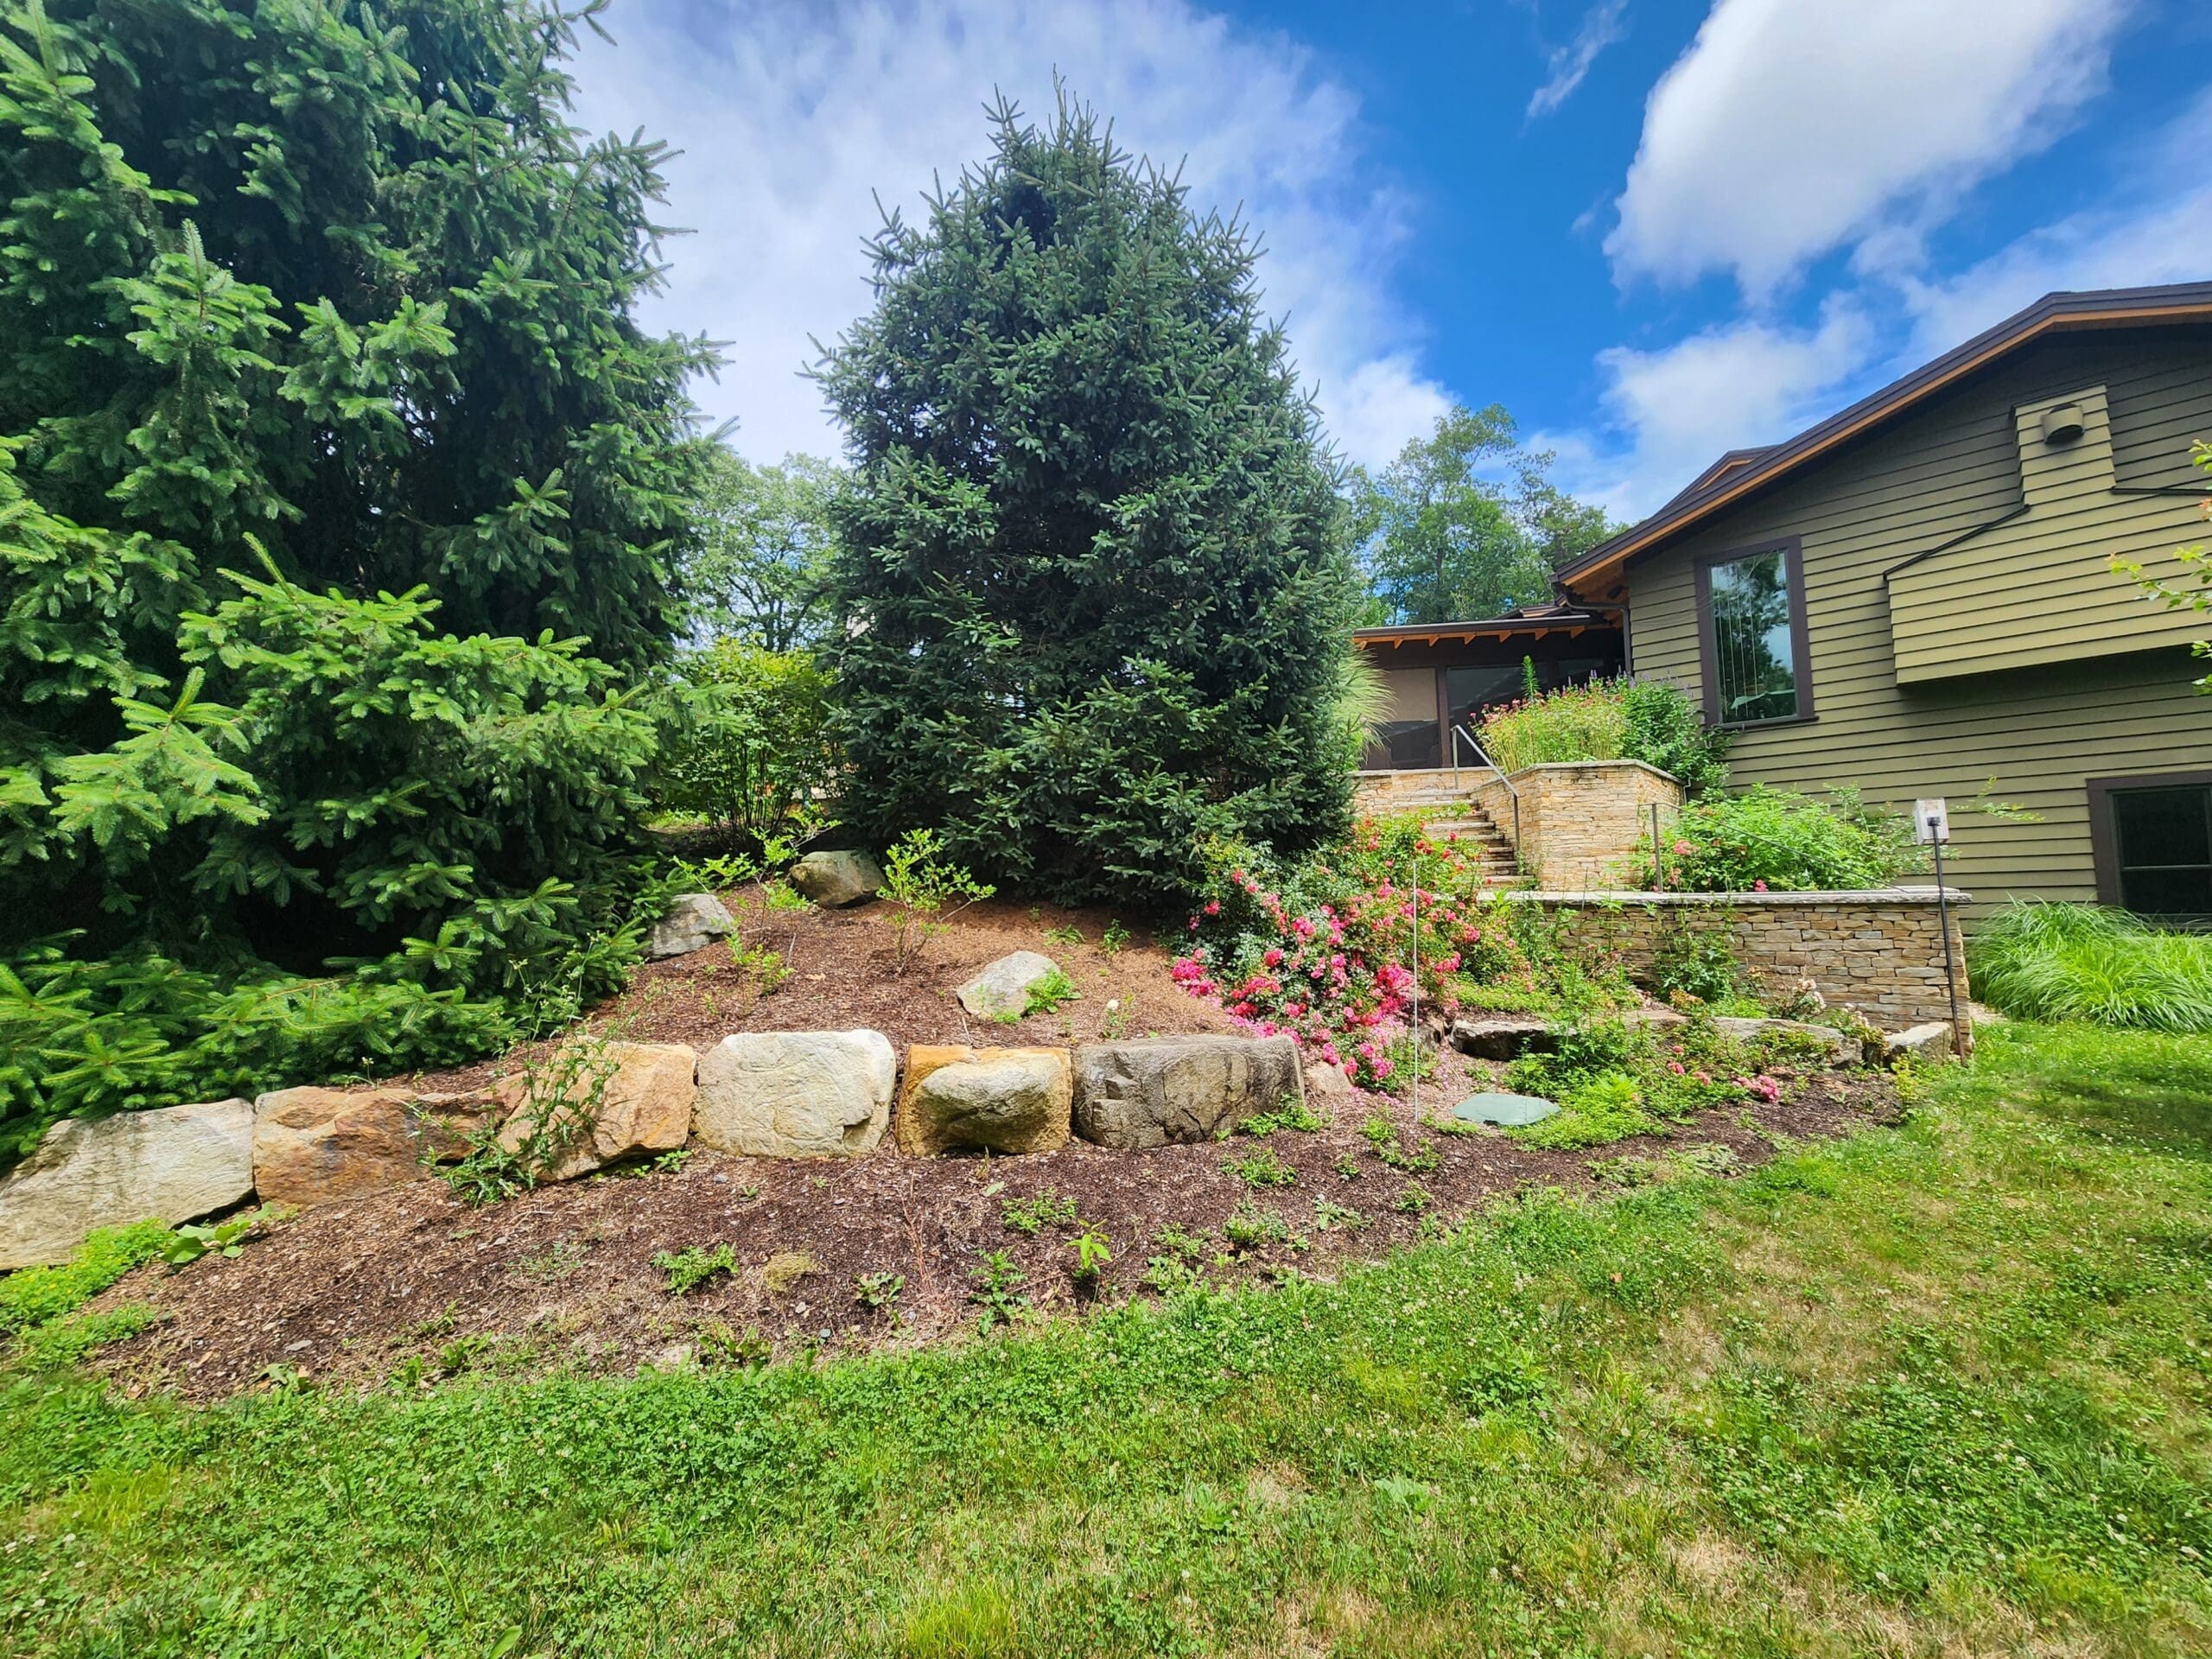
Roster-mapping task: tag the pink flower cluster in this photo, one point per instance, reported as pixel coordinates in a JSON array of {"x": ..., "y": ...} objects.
[{"x": 1334, "y": 974}]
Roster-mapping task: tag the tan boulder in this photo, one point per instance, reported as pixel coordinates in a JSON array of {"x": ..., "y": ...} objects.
[
  {"x": 313, "y": 1144},
  {"x": 644, "y": 1107},
  {"x": 1009, "y": 1100},
  {"x": 796, "y": 1094}
]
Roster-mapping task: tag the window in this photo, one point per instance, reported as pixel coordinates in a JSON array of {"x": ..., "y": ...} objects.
[
  {"x": 2152, "y": 841},
  {"x": 1751, "y": 614}
]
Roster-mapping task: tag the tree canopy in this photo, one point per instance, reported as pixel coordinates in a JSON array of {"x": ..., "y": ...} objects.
[
  {"x": 1466, "y": 521},
  {"x": 1091, "y": 577},
  {"x": 761, "y": 571},
  {"x": 338, "y": 488}
]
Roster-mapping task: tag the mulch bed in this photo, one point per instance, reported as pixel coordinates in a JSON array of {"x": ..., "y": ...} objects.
[{"x": 410, "y": 1280}]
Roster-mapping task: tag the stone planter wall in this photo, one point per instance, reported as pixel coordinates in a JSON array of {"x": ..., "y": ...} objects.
[
  {"x": 1880, "y": 951},
  {"x": 1579, "y": 820}
]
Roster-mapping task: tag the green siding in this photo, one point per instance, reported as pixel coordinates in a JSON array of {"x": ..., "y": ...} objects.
[{"x": 2033, "y": 734}]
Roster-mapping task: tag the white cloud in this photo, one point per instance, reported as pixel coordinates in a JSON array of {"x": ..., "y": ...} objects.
[
  {"x": 2163, "y": 240},
  {"x": 1670, "y": 412},
  {"x": 791, "y": 116},
  {"x": 1602, "y": 26},
  {"x": 1789, "y": 128}
]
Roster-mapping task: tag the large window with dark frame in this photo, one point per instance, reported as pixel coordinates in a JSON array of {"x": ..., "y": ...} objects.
[
  {"x": 2154, "y": 844},
  {"x": 1751, "y": 609}
]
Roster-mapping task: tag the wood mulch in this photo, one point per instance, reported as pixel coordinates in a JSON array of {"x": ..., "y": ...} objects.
[{"x": 410, "y": 1282}]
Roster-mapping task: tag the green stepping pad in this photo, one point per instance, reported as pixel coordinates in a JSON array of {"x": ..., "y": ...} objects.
[{"x": 1507, "y": 1111}]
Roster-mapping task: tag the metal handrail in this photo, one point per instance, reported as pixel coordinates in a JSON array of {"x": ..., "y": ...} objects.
[{"x": 1461, "y": 734}]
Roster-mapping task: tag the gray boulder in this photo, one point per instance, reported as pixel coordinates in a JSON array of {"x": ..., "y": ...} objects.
[
  {"x": 1007, "y": 1100},
  {"x": 835, "y": 879},
  {"x": 795, "y": 1094},
  {"x": 1156, "y": 1090},
  {"x": 1923, "y": 1044},
  {"x": 173, "y": 1165},
  {"x": 1502, "y": 1036},
  {"x": 1842, "y": 1049},
  {"x": 693, "y": 921},
  {"x": 1001, "y": 990}
]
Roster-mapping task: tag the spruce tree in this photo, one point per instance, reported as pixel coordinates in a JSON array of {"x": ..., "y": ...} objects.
[{"x": 1091, "y": 571}]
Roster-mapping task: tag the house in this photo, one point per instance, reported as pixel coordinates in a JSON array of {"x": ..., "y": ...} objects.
[
  {"x": 1915, "y": 597},
  {"x": 1442, "y": 675}
]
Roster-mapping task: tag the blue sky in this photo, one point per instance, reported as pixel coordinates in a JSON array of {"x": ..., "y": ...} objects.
[{"x": 1653, "y": 230}]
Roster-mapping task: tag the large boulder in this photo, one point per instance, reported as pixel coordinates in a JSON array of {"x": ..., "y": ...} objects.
[
  {"x": 312, "y": 1145},
  {"x": 176, "y": 1164},
  {"x": 1001, "y": 990},
  {"x": 694, "y": 920},
  {"x": 1923, "y": 1044},
  {"x": 795, "y": 1094},
  {"x": 1841, "y": 1049},
  {"x": 637, "y": 1097},
  {"x": 1154, "y": 1089},
  {"x": 1010, "y": 1100},
  {"x": 1502, "y": 1036},
  {"x": 835, "y": 879}
]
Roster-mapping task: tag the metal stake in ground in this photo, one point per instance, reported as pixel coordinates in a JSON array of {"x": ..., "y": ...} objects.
[
  {"x": 1416, "y": 1058},
  {"x": 1932, "y": 819}
]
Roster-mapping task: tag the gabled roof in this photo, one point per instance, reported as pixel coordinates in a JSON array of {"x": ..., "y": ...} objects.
[{"x": 1741, "y": 472}]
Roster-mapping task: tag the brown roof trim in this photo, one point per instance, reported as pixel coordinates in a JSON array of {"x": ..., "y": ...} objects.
[
  {"x": 1489, "y": 627},
  {"x": 1722, "y": 484}
]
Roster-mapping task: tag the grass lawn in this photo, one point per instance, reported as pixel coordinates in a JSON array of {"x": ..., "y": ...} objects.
[{"x": 1944, "y": 1389}]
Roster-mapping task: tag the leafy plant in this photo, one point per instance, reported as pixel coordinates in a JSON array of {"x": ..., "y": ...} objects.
[
  {"x": 1415, "y": 1200},
  {"x": 1114, "y": 940},
  {"x": 1292, "y": 1114},
  {"x": 1328, "y": 1213},
  {"x": 691, "y": 1267},
  {"x": 564, "y": 1092},
  {"x": 1381, "y": 1134},
  {"x": 1049, "y": 991},
  {"x": 1063, "y": 933},
  {"x": 1260, "y": 1167},
  {"x": 878, "y": 1290},
  {"x": 1032, "y": 1215},
  {"x": 1250, "y": 1228},
  {"x": 720, "y": 1344},
  {"x": 763, "y": 964},
  {"x": 998, "y": 1290},
  {"x": 226, "y": 1237},
  {"x": 1696, "y": 960},
  {"x": 1093, "y": 1250},
  {"x": 1618, "y": 719},
  {"x": 918, "y": 884},
  {"x": 2059, "y": 962}
]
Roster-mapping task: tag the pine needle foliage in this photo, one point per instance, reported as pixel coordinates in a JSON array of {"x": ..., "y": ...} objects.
[
  {"x": 1092, "y": 569},
  {"x": 338, "y": 494}
]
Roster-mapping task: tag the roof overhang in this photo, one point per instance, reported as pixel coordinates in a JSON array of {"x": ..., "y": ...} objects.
[
  {"x": 1741, "y": 472},
  {"x": 1568, "y": 624}
]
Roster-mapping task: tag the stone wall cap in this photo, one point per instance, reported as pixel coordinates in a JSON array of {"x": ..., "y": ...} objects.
[
  {"x": 1863, "y": 898},
  {"x": 1592, "y": 765}
]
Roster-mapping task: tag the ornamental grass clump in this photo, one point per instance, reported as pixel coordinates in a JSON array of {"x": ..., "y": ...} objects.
[{"x": 2061, "y": 962}]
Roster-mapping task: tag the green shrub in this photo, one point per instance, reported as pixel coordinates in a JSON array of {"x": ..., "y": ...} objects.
[
  {"x": 2060, "y": 962},
  {"x": 1609, "y": 720},
  {"x": 746, "y": 738},
  {"x": 1776, "y": 840}
]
